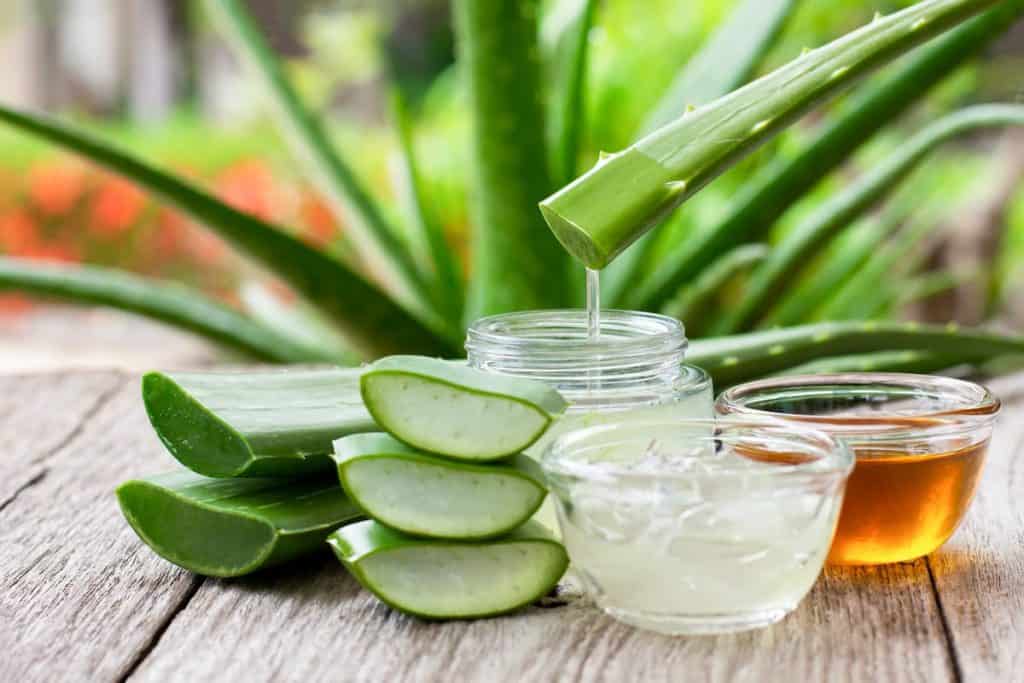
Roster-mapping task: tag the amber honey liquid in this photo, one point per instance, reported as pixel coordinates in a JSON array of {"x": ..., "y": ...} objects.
[{"x": 901, "y": 506}]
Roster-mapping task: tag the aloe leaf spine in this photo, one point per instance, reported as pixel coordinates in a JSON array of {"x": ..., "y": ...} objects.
[{"x": 773, "y": 191}]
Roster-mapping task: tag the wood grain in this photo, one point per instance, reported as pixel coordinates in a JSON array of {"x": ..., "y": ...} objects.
[
  {"x": 979, "y": 574},
  {"x": 80, "y": 598},
  {"x": 40, "y": 413},
  {"x": 313, "y": 622}
]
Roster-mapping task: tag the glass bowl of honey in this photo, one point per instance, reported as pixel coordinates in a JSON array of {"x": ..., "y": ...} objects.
[
  {"x": 919, "y": 441},
  {"x": 697, "y": 526}
]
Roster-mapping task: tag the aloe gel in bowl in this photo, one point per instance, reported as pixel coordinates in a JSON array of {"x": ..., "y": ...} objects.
[{"x": 697, "y": 526}]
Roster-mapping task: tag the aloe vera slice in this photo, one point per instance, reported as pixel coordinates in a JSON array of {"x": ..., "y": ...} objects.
[
  {"x": 456, "y": 410},
  {"x": 255, "y": 424},
  {"x": 231, "y": 527},
  {"x": 451, "y": 579},
  {"x": 427, "y": 495}
]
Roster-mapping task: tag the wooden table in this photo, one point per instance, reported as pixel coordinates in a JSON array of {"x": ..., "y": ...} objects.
[{"x": 82, "y": 599}]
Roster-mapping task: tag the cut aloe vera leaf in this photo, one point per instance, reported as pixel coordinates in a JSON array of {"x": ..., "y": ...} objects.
[
  {"x": 256, "y": 424},
  {"x": 451, "y": 579},
  {"x": 231, "y": 527},
  {"x": 455, "y": 410},
  {"x": 427, "y": 495}
]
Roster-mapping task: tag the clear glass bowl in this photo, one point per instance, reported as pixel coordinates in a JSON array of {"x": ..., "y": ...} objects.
[
  {"x": 697, "y": 526},
  {"x": 919, "y": 441}
]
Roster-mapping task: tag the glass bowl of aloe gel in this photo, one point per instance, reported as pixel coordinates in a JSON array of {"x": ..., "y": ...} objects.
[{"x": 697, "y": 526}]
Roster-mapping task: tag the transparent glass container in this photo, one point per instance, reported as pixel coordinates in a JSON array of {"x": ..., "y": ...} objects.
[
  {"x": 919, "y": 441},
  {"x": 697, "y": 526},
  {"x": 635, "y": 366},
  {"x": 634, "y": 369}
]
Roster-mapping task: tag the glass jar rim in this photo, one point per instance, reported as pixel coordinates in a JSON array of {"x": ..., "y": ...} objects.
[
  {"x": 972, "y": 406},
  {"x": 544, "y": 332},
  {"x": 828, "y": 457}
]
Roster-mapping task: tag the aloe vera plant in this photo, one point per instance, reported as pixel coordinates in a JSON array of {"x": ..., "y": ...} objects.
[
  {"x": 232, "y": 527},
  {"x": 400, "y": 291},
  {"x": 263, "y": 424}
]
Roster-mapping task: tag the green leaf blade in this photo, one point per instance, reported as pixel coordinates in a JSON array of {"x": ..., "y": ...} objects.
[
  {"x": 173, "y": 304},
  {"x": 518, "y": 265},
  {"x": 796, "y": 248},
  {"x": 376, "y": 241},
  {"x": 725, "y": 62},
  {"x": 370, "y": 321},
  {"x": 782, "y": 184}
]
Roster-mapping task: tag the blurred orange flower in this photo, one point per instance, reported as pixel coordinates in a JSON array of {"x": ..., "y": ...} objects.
[
  {"x": 249, "y": 186},
  {"x": 116, "y": 207},
  {"x": 318, "y": 219},
  {"x": 54, "y": 252},
  {"x": 13, "y": 303},
  {"x": 55, "y": 187},
  {"x": 18, "y": 232}
]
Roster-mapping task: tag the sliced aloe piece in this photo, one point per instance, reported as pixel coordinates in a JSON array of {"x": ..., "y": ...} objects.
[
  {"x": 455, "y": 410},
  {"x": 231, "y": 527},
  {"x": 427, "y": 495},
  {"x": 451, "y": 579},
  {"x": 255, "y": 424}
]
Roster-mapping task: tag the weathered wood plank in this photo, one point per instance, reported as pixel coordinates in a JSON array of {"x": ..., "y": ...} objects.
[
  {"x": 80, "y": 598},
  {"x": 313, "y": 622},
  {"x": 39, "y": 413},
  {"x": 979, "y": 574}
]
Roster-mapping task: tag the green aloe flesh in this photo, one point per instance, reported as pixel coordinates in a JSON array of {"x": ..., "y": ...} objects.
[
  {"x": 426, "y": 495},
  {"x": 455, "y": 410},
  {"x": 279, "y": 423},
  {"x": 451, "y": 579},
  {"x": 231, "y": 527}
]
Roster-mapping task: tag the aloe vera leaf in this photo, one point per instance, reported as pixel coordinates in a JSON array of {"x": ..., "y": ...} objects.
[
  {"x": 921, "y": 362},
  {"x": 739, "y": 358},
  {"x": 279, "y": 423},
  {"x": 850, "y": 251},
  {"x": 796, "y": 248},
  {"x": 231, "y": 527},
  {"x": 170, "y": 303},
  {"x": 567, "y": 76},
  {"x": 455, "y": 410},
  {"x": 451, "y": 579},
  {"x": 370, "y": 321},
  {"x": 692, "y": 303},
  {"x": 427, "y": 495},
  {"x": 296, "y": 319},
  {"x": 726, "y": 61},
  {"x": 377, "y": 242},
  {"x": 448, "y": 290},
  {"x": 856, "y": 299},
  {"x": 927, "y": 285},
  {"x": 513, "y": 250},
  {"x": 766, "y": 197},
  {"x": 595, "y": 219}
]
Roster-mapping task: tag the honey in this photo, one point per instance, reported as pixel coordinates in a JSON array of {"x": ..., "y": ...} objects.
[
  {"x": 901, "y": 506},
  {"x": 919, "y": 444}
]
